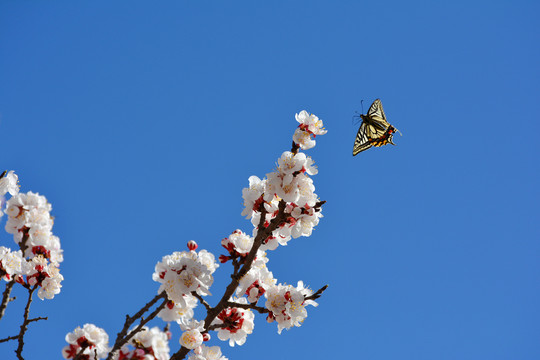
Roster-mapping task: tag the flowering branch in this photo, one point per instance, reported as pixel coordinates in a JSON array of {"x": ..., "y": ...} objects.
[
  {"x": 317, "y": 294},
  {"x": 281, "y": 207},
  {"x": 259, "y": 309},
  {"x": 123, "y": 337}
]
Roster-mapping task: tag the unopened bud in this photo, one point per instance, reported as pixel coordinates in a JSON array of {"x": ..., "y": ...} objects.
[{"x": 192, "y": 245}]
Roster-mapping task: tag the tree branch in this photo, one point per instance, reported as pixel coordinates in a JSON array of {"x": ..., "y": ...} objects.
[
  {"x": 123, "y": 337},
  {"x": 25, "y": 323},
  {"x": 262, "y": 234},
  {"x": 259, "y": 309},
  {"x": 317, "y": 294},
  {"x": 5, "y": 298},
  {"x": 15, "y": 337},
  {"x": 202, "y": 300}
]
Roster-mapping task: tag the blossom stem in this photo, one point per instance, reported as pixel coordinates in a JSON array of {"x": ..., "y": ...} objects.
[
  {"x": 317, "y": 294},
  {"x": 123, "y": 337},
  {"x": 262, "y": 234},
  {"x": 259, "y": 309},
  {"x": 202, "y": 300},
  {"x": 25, "y": 323},
  {"x": 5, "y": 298}
]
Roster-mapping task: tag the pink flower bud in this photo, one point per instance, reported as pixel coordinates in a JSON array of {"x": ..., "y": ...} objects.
[{"x": 192, "y": 245}]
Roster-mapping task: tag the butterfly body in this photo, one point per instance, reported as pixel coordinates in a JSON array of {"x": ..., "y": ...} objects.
[{"x": 374, "y": 130}]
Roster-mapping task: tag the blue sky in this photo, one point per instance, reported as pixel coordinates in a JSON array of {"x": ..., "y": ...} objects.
[{"x": 141, "y": 123}]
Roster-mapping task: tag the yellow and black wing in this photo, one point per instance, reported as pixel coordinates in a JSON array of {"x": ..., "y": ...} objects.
[
  {"x": 362, "y": 141},
  {"x": 376, "y": 113},
  {"x": 374, "y": 130}
]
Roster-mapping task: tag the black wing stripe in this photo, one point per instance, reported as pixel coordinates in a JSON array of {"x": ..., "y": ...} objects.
[{"x": 361, "y": 142}]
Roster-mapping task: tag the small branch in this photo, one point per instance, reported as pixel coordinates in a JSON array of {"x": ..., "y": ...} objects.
[
  {"x": 22, "y": 244},
  {"x": 295, "y": 147},
  {"x": 236, "y": 265},
  {"x": 318, "y": 205},
  {"x": 317, "y": 294},
  {"x": 25, "y": 323},
  {"x": 80, "y": 355},
  {"x": 259, "y": 309},
  {"x": 216, "y": 326},
  {"x": 5, "y": 298},
  {"x": 180, "y": 354},
  {"x": 9, "y": 338},
  {"x": 201, "y": 299},
  {"x": 123, "y": 337},
  {"x": 38, "y": 318}
]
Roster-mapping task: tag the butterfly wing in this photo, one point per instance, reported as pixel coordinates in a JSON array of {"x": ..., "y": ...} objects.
[
  {"x": 377, "y": 116},
  {"x": 385, "y": 138},
  {"x": 374, "y": 130},
  {"x": 362, "y": 140}
]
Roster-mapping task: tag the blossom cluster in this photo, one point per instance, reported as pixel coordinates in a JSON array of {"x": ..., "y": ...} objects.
[
  {"x": 291, "y": 184},
  {"x": 281, "y": 207},
  {"x": 89, "y": 341},
  {"x": 147, "y": 344},
  {"x": 287, "y": 305},
  {"x": 310, "y": 125},
  {"x": 40, "y": 254},
  {"x": 235, "y": 323},
  {"x": 184, "y": 272},
  {"x": 207, "y": 353}
]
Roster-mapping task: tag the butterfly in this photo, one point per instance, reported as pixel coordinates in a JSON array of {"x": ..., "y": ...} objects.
[{"x": 374, "y": 130}]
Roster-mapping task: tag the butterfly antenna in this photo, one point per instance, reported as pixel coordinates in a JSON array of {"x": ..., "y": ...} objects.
[
  {"x": 362, "y": 104},
  {"x": 355, "y": 116}
]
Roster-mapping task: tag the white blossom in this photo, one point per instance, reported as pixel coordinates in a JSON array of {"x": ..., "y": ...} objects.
[
  {"x": 303, "y": 139},
  {"x": 147, "y": 344},
  {"x": 238, "y": 321},
  {"x": 183, "y": 272},
  {"x": 45, "y": 275},
  {"x": 10, "y": 263},
  {"x": 258, "y": 279},
  {"x": 238, "y": 243},
  {"x": 29, "y": 218},
  {"x": 9, "y": 184},
  {"x": 92, "y": 339},
  {"x": 309, "y": 125},
  {"x": 175, "y": 312},
  {"x": 191, "y": 339},
  {"x": 252, "y": 194},
  {"x": 287, "y": 304},
  {"x": 207, "y": 353}
]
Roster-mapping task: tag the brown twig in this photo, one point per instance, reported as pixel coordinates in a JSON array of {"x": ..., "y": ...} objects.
[
  {"x": 202, "y": 300},
  {"x": 5, "y": 298},
  {"x": 123, "y": 337},
  {"x": 317, "y": 294},
  {"x": 259, "y": 309},
  {"x": 22, "y": 244},
  {"x": 25, "y": 323},
  {"x": 15, "y": 337}
]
